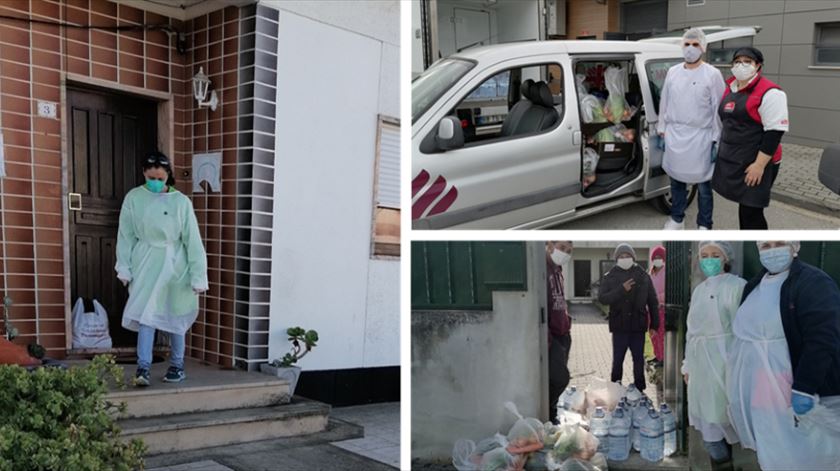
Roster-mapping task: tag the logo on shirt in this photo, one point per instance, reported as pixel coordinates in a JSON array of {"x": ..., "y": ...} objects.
[
  {"x": 785, "y": 122},
  {"x": 729, "y": 107}
]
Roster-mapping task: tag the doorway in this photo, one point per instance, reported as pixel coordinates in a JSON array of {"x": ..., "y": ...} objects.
[
  {"x": 109, "y": 134},
  {"x": 583, "y": 278}
]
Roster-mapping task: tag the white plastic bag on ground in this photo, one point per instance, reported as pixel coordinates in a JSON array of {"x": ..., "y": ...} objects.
[
  {"x": 603, "y": 393},
  {"x": 90, "y": 329},
  {"x": 573, "y": 442},
  {"x": 526, "y": 435},
  {"x": 577, "y": 403}
]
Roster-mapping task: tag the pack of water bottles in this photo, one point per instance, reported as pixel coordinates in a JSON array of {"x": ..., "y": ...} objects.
[{"x": 621, "y": 424}]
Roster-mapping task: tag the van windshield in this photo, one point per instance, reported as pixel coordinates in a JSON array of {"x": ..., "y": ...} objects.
[{"x": 434, "y": 82}]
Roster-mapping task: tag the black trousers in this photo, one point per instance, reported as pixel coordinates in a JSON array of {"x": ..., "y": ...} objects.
[
  {"x": 752, "y": 218},
  {"x": 558, "y": 371},
  {"x": 635, "y": 341}
]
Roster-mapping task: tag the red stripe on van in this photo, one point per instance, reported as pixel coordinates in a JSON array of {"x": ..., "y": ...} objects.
[
  {"x": 445, "y": 202},
  {"x": 428, "y": 197},
  {"x": 419, "y": 182}
]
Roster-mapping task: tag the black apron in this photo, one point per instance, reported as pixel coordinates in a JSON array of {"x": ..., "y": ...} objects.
[{"x": 740, "y": 141}]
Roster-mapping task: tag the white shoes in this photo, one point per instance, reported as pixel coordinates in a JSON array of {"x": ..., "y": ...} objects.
[
  {"x": 672, "y": 225},
  {"x": 702, "y": 228}
]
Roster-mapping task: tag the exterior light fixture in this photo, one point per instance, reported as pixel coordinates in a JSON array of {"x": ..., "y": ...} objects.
[{"x": 201, "y": 84}]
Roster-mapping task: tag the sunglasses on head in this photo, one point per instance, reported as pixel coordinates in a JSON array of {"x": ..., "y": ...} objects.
[{"x": 162, "y": 161}]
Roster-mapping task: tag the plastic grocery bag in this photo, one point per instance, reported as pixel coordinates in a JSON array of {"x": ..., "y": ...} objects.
[
  {"x": 500, "y": 459},
  {"x": 825, "y": 414},
  {"x": 574, "y": 464},
  {"x": 603, "y": 393},
  {"x": 574, "y": 442},
  {"x": 617, "y": 109},
  {"x": 90, "y": 329},
  {"x": 616, "y": 133},
  {"x": 467, "y": 456},
  {"x": 526, "y": 435},
  {"x": 577, "y": 403},
  {"x": 599, "y": 460}
]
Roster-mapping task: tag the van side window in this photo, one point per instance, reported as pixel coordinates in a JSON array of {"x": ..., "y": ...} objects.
[
  {"x": 656, "y": 72},
  {"x": 512, "y": 103}
]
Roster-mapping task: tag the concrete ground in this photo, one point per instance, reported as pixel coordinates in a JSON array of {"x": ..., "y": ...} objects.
[
  {"x": 382, "y": 431},
  {"x": 799, "y": 201},
  {"x": 591, "y": 355},
  {"x": 325, "y": 451}
]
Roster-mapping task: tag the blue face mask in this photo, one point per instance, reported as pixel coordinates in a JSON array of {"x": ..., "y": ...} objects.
[
  {"x": 776, "y": 260},
  {"x": 155, "y": 186},
  {"x": 711, "y": 266}
]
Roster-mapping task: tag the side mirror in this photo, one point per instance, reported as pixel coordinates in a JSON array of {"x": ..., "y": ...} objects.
[
  {"x": 449, "y": 134},
  {"x": 829, "y": 171}
]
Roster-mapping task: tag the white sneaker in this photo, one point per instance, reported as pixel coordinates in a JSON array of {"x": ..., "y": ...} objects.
[
  {"x": 702, "y": 228},
  {"x": 672, "y": 225}
]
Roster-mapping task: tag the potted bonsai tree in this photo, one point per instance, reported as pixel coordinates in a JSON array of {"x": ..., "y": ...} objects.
[{"x": 284, "y": 368}]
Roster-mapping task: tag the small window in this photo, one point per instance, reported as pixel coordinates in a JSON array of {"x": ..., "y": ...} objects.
[
  {"x": 656, "y": 73},
  {"x": 695, "y": 3},
  {"x": 719, "y": 53},
  {"x": 827, "y": 48},
  {"x": 386, "y": 218},
  {"x": 488, "y": 113}
]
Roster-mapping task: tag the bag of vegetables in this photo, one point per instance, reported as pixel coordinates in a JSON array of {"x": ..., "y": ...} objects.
[
  {"x": 616, "y": 109},
  {"x": 467, "y": 456},
  {"x": 526, "y": 435},
  {"x": 574, "y": 442}
]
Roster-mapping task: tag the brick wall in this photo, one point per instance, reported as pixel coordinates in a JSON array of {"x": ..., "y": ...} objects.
[
  {"x": 33, "y": 59},
  {"x": 588, "y": 17}
]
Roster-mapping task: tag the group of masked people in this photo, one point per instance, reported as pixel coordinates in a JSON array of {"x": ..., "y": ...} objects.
[
  {"x": 762, "y": 360},
  {"x": 721, "y": 135}
]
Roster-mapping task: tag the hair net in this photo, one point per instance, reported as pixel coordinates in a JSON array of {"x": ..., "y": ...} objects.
[
  {"x": 793, "y": 243},
  {"x": 724, "y": 247},
  {"x": 698, "y": 34}
]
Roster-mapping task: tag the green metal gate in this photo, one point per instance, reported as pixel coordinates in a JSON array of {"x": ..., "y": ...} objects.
[
  {"x": 677, "y": 301},
  {"x": 463, "y": 275}
]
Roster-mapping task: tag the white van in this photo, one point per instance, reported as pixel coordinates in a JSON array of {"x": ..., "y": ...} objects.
[{"x": 498, "y": 136}]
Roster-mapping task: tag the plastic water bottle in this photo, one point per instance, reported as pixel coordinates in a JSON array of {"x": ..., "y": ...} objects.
[
  {"x": 669, "y": 425},
  {"x": 567, "y": 396},
  {"x": 652, "y": 439},
  {"x": 638, "y": 414},
  {"x": 633, "y": 396},
  {"x": 599, "y": 425},
  {"x": 619, "y": 439}
]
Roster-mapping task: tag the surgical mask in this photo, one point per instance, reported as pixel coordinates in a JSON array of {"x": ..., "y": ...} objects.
[
  {"x": 155, "y": 186},
  {"x": 624, "y": 263},
  {"x": 711, "y": 266},
  {"x": 743, "y": 72},
  {"x": 692, "y": 54},
  {"x": 658, "y": 263},
  {"x": 776, "y": 260},
  {"x": 559, "y": 257}
]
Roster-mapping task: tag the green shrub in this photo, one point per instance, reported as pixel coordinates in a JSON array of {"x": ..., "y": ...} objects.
[{"x": 53, "y": 419}]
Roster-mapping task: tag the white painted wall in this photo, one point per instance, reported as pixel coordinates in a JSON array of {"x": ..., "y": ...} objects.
[
  {"x": 517, "y": 20},
  {"x": 466, "y": 364},
  {"x": 416, "y": 40},
  {"x": 338, "y": 68}
]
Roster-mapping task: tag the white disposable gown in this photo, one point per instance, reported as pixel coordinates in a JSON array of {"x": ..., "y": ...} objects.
[
  {"x": 688, "y": 115},
  {"x": 159, "y": 251},
  {"x": 759, "y": 385},
  {"x": 708, "y": 340}
]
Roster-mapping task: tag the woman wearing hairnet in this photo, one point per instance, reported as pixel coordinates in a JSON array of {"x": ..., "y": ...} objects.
[
  {"x": 161, "y": 259},
  {"x": 783, "y": 380},
  {"x": 708, "y": 339}
]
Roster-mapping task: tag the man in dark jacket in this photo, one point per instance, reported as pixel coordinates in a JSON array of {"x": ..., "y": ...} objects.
[
  {"x": 629, "y": 292},
  {"x": 557, "y": 254},
  {"x": 810, "y": 310}
]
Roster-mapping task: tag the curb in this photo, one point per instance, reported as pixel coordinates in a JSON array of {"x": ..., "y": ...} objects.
[{"x": 800, "y": 202}]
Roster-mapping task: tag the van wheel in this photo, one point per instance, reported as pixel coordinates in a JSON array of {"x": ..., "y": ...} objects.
[{"x": 663, "y": 203}]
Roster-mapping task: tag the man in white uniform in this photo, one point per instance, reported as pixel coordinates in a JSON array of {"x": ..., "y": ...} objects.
[{"x": 690, "y": 127}]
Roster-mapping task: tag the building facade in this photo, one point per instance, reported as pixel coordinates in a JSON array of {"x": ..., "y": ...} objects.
[{"x": 89, "y": 86}]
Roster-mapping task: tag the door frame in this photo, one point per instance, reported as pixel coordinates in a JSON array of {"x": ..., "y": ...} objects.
[{"x": 165, "y": 141}]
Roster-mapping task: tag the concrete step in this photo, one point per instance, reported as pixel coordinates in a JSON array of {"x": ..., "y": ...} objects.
[
  {"x": 180, "y": 432},
  {"x": 207, "y": 388}
]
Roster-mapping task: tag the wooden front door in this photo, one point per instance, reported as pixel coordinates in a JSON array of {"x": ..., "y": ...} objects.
[{"x": 109, "y": 136}]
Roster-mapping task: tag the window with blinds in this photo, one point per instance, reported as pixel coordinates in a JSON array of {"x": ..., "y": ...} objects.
[
  {"x": 827, "y": 48},
  {"x": 386, "y": 218}
]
